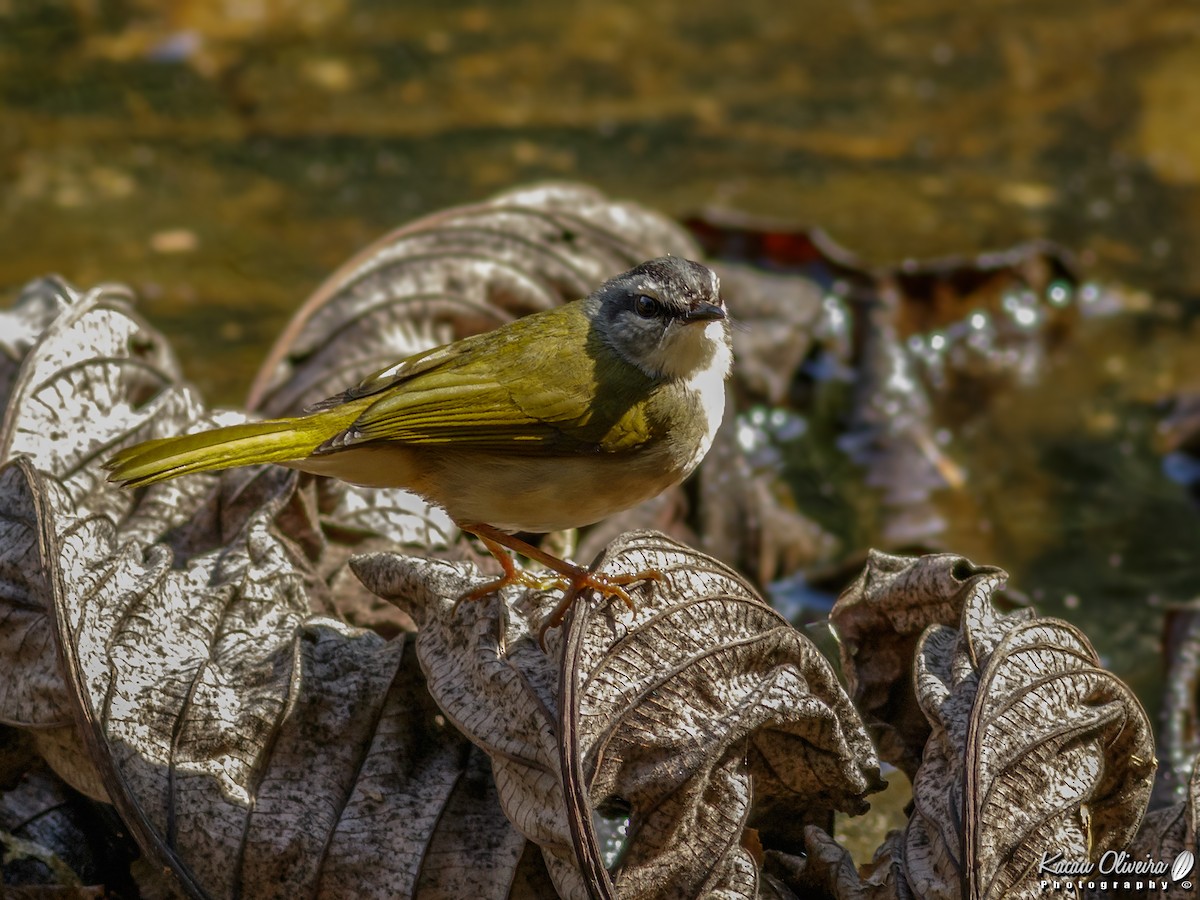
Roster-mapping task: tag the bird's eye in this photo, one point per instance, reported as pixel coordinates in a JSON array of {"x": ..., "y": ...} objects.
[{"x": 646, "y": 307}]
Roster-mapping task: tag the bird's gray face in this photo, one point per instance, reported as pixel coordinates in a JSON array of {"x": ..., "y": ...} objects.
[{"x": 666, "y": 317}]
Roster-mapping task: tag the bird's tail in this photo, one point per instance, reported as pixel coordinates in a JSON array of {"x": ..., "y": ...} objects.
[{"x": 271, "y": 441}]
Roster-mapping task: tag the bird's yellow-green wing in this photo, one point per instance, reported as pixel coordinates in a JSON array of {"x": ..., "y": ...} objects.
[{"x": 542, "y": 385}]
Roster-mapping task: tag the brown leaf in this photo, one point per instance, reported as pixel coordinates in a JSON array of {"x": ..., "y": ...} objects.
[
  {"x": 249, "y": 745},
  {"x": 96, "y": 376},
  {"x": 828, "y": 867},
  {"x": 705, "y": 692},
  {"x": 670, "y": 711},
  {"x": 879, "y": 619},
  {"x": 34, "y": 694},
  {"x": 452, "y": 274},
  {"x": 36, "y": 307},
  {"x": 1034, "y": 746},
  {"x": 780, "y": 316},
  {"x": 490, "y": 678}
]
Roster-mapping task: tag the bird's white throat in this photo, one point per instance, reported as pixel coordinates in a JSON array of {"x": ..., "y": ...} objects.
[
  {"x": 692, "y": 352},
  {"x": 703, "y": 361}
]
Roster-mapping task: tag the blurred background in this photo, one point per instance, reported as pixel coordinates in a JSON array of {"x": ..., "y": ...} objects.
[{"x": 224, "y": 156}]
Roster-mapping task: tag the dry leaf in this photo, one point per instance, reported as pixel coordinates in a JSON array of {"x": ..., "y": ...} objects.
[
  {"x": 97, "y": 375},
  {"x": 1034, "y": 748},
  {"x": 671, "y": 711},
  {"x": 455, "y": 273},
  {"x": 249, "y": 744},
  {"x": 829, "y": 868},
  {"x": 246, "y": 743},
  {"x": 878, "y": 619}
]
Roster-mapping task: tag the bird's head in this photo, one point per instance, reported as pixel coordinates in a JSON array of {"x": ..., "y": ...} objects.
[{"x": 666, "y": 317}]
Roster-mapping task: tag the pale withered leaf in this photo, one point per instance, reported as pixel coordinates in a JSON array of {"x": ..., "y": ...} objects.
[
  {"x": 32, "y": 693},
  {"x": 490, "y": 678},
  {"x": 1034, "y": 746},
  {"x": 85, "y": 374},
  {"x": 878, "y": 619},
  {"x": 829, "y": 869},
  {"x": 681, "y": 708},
  {"x": 779, "y": 316},
  {"x": 362, "y": 520},
  {"x": 97, "y": 377},
  {"x": 253, "y": 747},
  {"x": 37, "y": 305},
  {"x": 457, "y": 272},
  {"x": 670, "y": 712}
]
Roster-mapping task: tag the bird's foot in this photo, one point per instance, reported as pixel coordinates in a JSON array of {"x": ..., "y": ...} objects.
[
  {"x": 512, "y": 575},
  {"x": 566, "y": 576},
  {"x": 574, "y": 583}
]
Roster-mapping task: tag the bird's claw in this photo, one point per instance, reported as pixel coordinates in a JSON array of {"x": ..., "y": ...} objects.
[
  {"x": 605, "y": 585},
  {"x": 571, "y": 585}
]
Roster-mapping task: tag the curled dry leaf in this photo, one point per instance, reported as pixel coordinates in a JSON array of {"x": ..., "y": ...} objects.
[
  {"x": 96, "y": 376},
  {"x": 83, "y": 372},
  {"x": 781, "y": 315},
  {"x": 455, "y": 273},
  {"x": 1034, "y": 747},
  {"x": 670, "y": 712},
  {"x": 33, "y": 695},
  {"x": 879, "y": 619},
  {"x": 706, "y": 691},
  {"x": 829, "y": 870},
  {"x": 247, "y": 744},
  {"x": 250, "y": 745},
  {"x": 20, "y": 327}
]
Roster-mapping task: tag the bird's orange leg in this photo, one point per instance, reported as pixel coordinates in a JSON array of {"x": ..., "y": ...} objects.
[{"x": 571, "y": 578}]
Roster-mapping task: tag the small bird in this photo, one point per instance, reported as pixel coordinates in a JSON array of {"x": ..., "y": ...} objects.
[{"x": 552, "y": 421}]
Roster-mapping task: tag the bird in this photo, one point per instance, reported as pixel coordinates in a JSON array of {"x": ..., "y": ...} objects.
[{"x": 553, "y": 421}]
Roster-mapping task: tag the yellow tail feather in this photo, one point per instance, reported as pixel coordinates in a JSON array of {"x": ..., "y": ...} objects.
[{"x": 274, "y": 440}]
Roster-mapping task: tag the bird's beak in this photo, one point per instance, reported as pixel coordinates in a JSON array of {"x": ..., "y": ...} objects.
[{"x": 705, "y": 312}]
